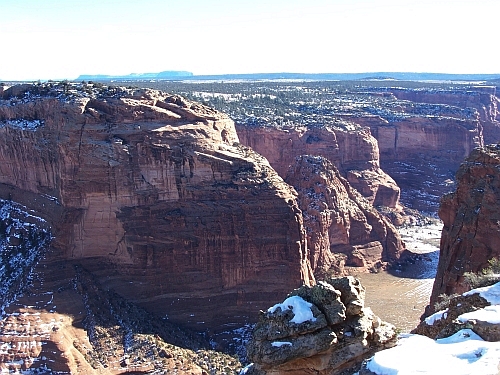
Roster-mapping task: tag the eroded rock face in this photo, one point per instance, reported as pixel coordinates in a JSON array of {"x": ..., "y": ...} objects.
[
  {"x": 482, "y": 99},
  {"x": 314, "y": 332},
  {"x": 353, "y": 150},
  {"x": 470, "y": 217},
  {"x": 342, "y": 227},
  {"x": 427, "y": 133},
  {"x": 148, "y": 193}
]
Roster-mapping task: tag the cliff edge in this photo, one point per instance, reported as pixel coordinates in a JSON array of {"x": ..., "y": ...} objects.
[{"x": 470, "y": 217}]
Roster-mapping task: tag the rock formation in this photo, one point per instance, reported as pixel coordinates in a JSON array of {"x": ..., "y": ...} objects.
[
  {"x": 445, "y": 322},
  {"x": 146, "y": 191},
  {"x": 424, "y": 134},
  {"x": 343, "y": 228},
  {"x": 350, "y": 148},
  {"x": 323, "y": 329},
  {"x": 482, "y": 102},
  {"x": 470, "y": 217}
]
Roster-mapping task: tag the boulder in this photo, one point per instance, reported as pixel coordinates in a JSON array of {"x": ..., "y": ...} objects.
[{"x": 341, "y": 345}]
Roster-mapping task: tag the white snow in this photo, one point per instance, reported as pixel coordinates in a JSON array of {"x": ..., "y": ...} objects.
[
  {"x": 436, "y": 316},
  {"x": 489, "y": 293},
  {"x": 490, "y": 314},
  {"x": 300, "y": 308},
  {"x": 22, "y": 124},
  {"x": 279, "y": 344},
  {"x": 245, "y": 369},
  {"x": 461, "y": 354}
]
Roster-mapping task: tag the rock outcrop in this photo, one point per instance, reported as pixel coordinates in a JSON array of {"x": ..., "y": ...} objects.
[
  {"x": 352, "y": 149},
  {"x": 446, "y": 322},
  {"x": 470, "y": 217},
  {"x": 146, "y": 191},
  {"x": 343, "y": 228},
  {"x": 322, "y": 330}
]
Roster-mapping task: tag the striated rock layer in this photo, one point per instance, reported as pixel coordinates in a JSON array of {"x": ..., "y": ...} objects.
[
  {"x": 471, "y": 219},
  {"x": 146, "y": 191},
  {"x": 343, "y": 228},
  {"x": 350, "y": 148},
  {"x": 425, "y": 135}
]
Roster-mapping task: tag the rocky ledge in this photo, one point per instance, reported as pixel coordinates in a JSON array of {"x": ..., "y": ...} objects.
[
  {"x": 463, "y": 338},
  {"x": 323, "y": 329}
]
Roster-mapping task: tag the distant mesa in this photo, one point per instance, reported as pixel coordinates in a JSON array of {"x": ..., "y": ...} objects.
[
  {"x": 401, "y": 76},
  {"x": 168, "y": 74}
]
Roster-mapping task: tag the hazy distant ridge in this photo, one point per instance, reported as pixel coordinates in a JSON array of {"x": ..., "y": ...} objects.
[
  {"x": 168, "y": 74},
  {"x": 184, "y": 75}
]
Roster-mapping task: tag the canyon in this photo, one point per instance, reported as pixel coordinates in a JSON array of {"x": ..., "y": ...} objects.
[
  {"x": 145, "y": 191},
  {"x": 160, "y": 210},
  {"x": 423, "y": 130},
  {"x": 153, "y": 202}
]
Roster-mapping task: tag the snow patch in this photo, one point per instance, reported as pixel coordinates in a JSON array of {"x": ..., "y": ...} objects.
[
  {"x": 300, "y": 308},
  {"x": 490, "y": 314},
  {"x": 279, "y": 344},
  {"x": 461, "y": 354},
  {"x": 22, "y": 124},
  {"x": 430, "y": 320},
  {"x": 489, "y": 293}
]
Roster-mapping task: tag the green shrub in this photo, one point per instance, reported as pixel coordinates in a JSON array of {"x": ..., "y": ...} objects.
[{"x": 488, "y": 276}]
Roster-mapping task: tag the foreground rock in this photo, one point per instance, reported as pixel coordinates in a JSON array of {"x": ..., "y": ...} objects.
[
  {"x": 323, "y": 329},
  {"x": 145, "y": 191},
  {"x": 463, "y": 338},
  {"x": 343, "y": 228},
  {"x": 470, "y": 216}
]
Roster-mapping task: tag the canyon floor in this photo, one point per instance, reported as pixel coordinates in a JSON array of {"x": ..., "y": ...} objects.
[{"x": 399, "y": 295}]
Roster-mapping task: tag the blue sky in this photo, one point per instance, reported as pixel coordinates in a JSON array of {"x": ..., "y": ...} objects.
[{"x": 53, "y": 39}]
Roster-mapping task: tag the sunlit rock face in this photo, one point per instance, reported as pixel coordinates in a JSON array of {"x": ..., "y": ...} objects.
[
  {"x": 343, "y": 228},
  {"x": 352, "y": 149},
  {"x": 323, "y": 330},
  {"x": 470, "y": 216},
  {"x": 146, "y": 191}
]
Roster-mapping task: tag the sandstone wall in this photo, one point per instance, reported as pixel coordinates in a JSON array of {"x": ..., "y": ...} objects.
[
  {"x": 354, "y": 152},
  {"x": 154, "y": 199},
  {"x": 471, "y": 217},
  {"x": 422, "y": 153},
  {"x": 343, "y": 228},
  {"x": 483, "y": 99}
]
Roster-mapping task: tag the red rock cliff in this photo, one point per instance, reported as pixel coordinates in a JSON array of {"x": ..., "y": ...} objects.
[
  {"x": 471, "y": 217},
  {"x": 350, "y": 148},
  {"x": 421, "y": 144},
  {"x": 343, "y": 228},
  {"x": 153, "y": 199},
  {"x": 483, "y": 99}
]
